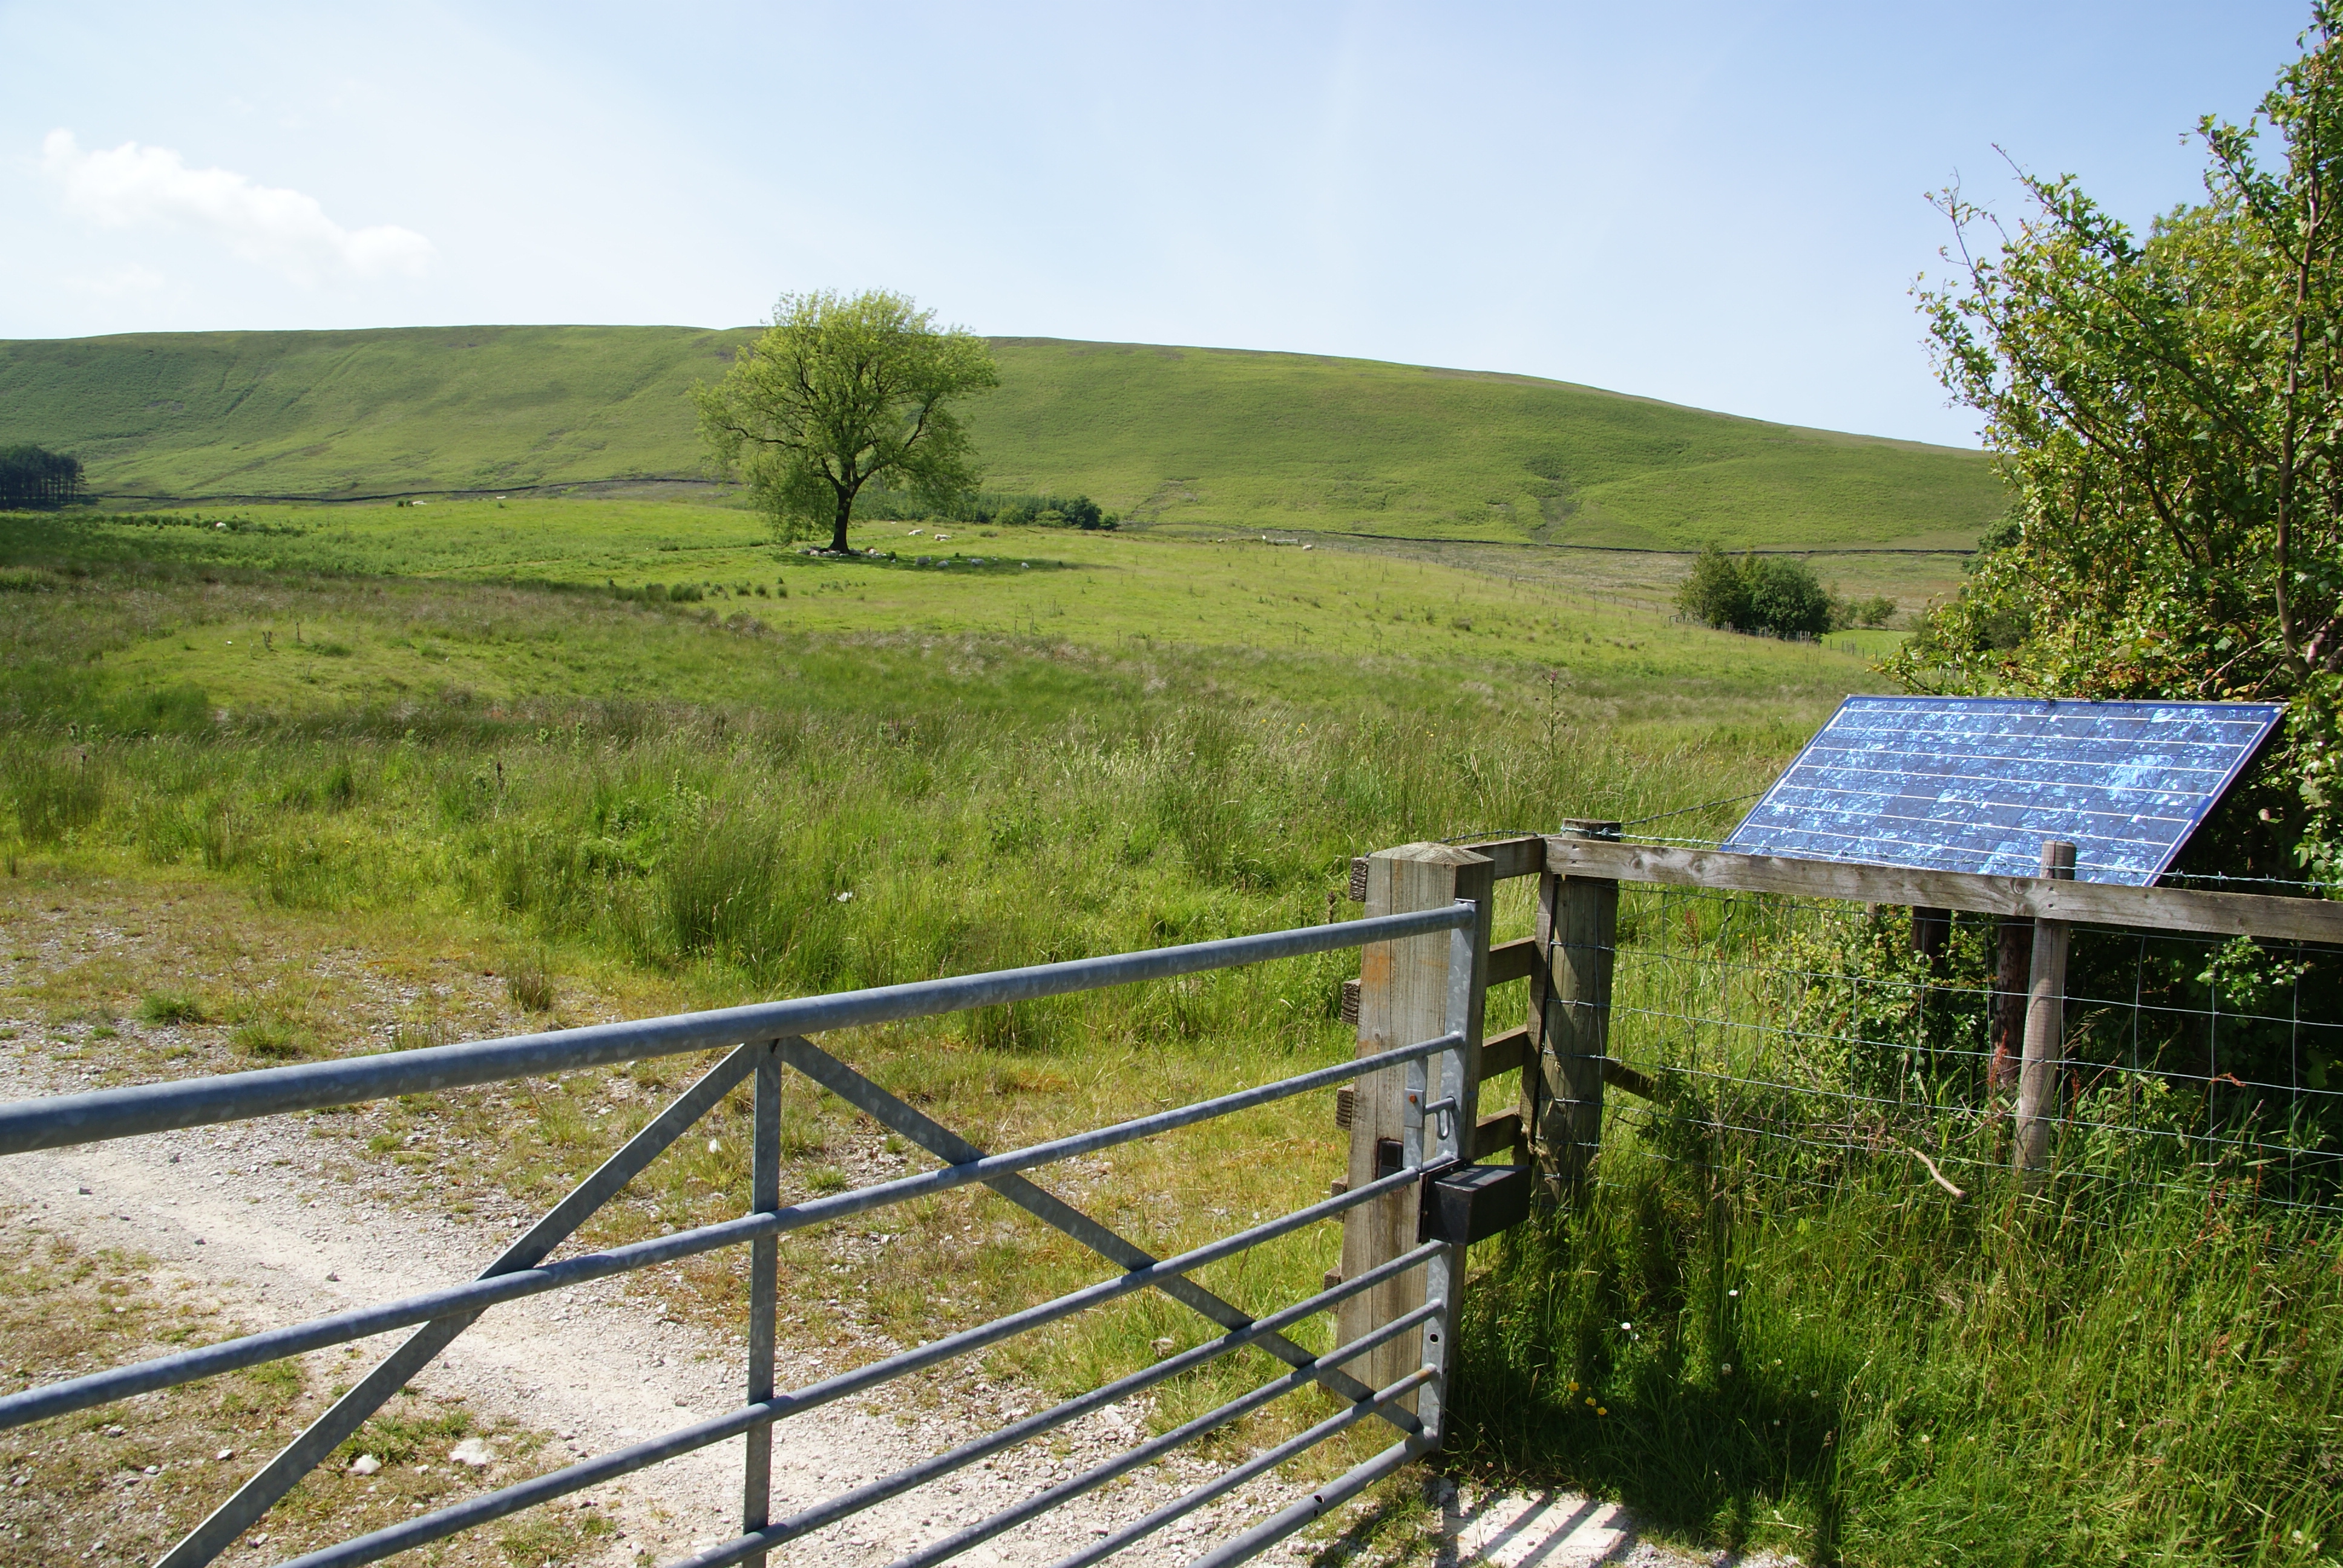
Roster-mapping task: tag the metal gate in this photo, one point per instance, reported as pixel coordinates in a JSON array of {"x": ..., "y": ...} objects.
[{"x": 767, "y": 1040}]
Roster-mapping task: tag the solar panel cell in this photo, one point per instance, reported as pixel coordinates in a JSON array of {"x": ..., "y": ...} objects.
[{"x": 1979, "y": 783}]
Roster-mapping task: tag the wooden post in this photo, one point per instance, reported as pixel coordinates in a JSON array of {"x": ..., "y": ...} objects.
[
  {"x": 2046, "y": 1026},
  {"x": 2014, "y": 963},
  {"x": 1570, "y": 1019},
  {"x": 1930, "y": 928},
  {"x": 1404, "y": 999}
]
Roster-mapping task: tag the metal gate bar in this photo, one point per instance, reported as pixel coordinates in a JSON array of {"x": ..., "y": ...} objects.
[
  {"x": 363, "y": 1323},
  {"x": 1260, "y": 1464},
  {"x": 342, "y": 1420},
  {"x": 56, "y": 1121},
  {"x": 490, "y": 1505},
  {"x": 1157, "y": 1447},
  {"x": 775, "y": 1042},
  {"x": 952, "y": 1149}
]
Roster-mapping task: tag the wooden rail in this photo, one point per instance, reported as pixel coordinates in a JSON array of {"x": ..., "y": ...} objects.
[
  {"x": 1562, "y": 1053},
  {"x": 2023, "y": 898}
]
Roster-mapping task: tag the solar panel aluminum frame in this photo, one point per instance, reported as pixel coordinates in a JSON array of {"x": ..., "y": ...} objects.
[{"x": 1756, "y": 835}]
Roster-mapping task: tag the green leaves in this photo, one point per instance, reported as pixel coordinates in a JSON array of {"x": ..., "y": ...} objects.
[
  {"x": 2169, "y": 411},
  {"x": 841, "y": 393}
]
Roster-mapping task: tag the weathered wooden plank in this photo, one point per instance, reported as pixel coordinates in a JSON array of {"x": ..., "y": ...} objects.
[
  {"x": 1495, "y": 1132},
  {"x": 1350, "y": 1001},
  {"x": 1512, "y": 960},
  {"x": 1501, "y": 1053},
  {"x": 2026, "y": 897},
  {"x": 1578, "y": 917},
  {"x": 1509, "y": 858},
  {"x": 2046, "y": 1026},
  {"x": 1619, "y": 1075},
  {"x": 1402, "y": 998}
]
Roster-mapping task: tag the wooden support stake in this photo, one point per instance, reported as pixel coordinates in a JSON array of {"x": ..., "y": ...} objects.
[
  {"x": 2046, "y": 1026},
  {"x": 1404, "y": 999},
  {"x": 2014, "y": 962},
  {"x": 1570, "y": 1013},
  {"x": 1930, "y": 929}
]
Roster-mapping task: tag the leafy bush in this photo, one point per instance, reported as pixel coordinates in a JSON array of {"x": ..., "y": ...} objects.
[
  {"x": 1777, "y": 596},
  {"x": 1872, "y": 611},
  {"x": 1047, "y": 511}
]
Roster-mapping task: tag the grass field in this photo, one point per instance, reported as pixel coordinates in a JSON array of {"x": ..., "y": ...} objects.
[
  {"x": 464, "y": 744},
  {"x": 1211, "y": 438}
]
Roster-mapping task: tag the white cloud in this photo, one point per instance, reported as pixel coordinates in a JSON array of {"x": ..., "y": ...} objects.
[{"x": 133, "y": 186}]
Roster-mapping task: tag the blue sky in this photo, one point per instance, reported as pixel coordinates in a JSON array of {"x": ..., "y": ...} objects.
[{"x": 1718, "y": 204}]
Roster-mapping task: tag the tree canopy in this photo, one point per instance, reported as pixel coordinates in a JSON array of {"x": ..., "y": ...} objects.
[
  {"x": 843, "y": 393},
  {"x": 2169, "y": 411}
]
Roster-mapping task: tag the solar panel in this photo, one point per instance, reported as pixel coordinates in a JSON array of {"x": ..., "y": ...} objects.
[{"x": 1978, "y": 783}]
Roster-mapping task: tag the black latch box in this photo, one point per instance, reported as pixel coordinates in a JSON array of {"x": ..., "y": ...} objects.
[{"x": 1463, "y": 1203}]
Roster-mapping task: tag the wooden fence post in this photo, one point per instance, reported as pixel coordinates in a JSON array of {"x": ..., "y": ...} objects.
[
  {"x": 1570, "y": 1019},
  {"x": 1404, "y": 999},
  {"x": 2013, "y": 960},
  {"x": 2046, "y": 1026},
  {"x": 1930, "y": 929}
]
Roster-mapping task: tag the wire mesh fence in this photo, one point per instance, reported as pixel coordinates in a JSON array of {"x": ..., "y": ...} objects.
[{"x": 1820, "y": 1042}]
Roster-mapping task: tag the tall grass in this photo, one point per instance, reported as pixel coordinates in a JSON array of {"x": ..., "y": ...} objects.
[
  {"x": 1871, "y": 1372},
  {"x": 1771, "y": 1322},
  {"x": 806, "y": 852}
]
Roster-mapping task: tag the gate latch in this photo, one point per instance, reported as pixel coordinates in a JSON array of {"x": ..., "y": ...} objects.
[{"x": 1464, "y": 1204}]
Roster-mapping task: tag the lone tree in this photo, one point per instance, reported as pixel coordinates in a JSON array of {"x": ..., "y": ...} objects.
[
  {"x": 37, "y": 478},
  {"x": 2169, "y": 411},
  {"x": 843, "y": 393}
]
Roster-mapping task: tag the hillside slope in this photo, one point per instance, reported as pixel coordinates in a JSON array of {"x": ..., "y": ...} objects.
[{"x": 1213, "y": 438}]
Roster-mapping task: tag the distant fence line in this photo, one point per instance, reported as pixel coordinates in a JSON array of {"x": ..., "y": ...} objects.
[{"x": 226, "y": 498}]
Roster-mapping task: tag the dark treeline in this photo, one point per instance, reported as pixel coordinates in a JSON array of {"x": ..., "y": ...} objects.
[
  {"x": 1016, "y": 510},
  {"x": 35, "y": 478}
]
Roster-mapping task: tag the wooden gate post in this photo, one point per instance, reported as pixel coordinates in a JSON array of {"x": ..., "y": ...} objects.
[
  {"x": 2046, "y": 1027},
  {"x": 1570, "y": 1019},
  {"x": 1404, "y": 999}
]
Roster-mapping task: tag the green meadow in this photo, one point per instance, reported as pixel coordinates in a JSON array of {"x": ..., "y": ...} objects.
[
  {"x": 1193, "y": 438},
  {"x": 563, "y": 759}
]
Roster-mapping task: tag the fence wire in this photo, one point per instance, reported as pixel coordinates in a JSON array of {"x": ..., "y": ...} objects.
[{"x": 1809, "y": 1040}]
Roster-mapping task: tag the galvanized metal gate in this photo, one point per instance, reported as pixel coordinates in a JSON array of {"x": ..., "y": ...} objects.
[{"x": 768, "y": 1039}]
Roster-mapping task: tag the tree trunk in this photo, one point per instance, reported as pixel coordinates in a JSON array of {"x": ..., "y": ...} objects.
[{"x": 838, "y": 527}]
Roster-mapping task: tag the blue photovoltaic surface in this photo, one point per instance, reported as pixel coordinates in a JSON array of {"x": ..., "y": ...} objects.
[{"x": 1978, "y": 783}]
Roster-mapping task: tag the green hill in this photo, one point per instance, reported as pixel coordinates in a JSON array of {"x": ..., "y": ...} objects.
[{"x": 1208, "y": 437}]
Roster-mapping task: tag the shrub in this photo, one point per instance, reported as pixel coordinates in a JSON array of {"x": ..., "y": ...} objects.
[
  {"x": 1778, "y": 596},
  {"x": 1718, "y": 592},
  {"x": 1872, "y": 611}
]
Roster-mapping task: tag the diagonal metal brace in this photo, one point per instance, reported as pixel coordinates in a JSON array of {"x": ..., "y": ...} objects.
[
  {"x": 229, "y": 1521},
  {"x": 952, "y": 1149}
]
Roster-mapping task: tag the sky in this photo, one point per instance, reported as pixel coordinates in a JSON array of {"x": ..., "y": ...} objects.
[{"x": 1719, "y": 205}]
